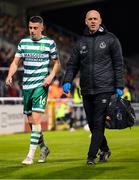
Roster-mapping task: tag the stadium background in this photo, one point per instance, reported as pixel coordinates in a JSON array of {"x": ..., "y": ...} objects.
[{"x": 64, "y": 20}]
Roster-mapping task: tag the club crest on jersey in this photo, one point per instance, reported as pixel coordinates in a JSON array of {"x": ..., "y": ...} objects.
[
  {"x": 83, "y": 49},
  {"x": 42, "y": 47},
  {"x": 102, "y": 45}
]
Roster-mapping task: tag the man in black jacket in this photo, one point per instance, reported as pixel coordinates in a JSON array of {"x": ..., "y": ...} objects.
[{"x": 98, "y": 56}]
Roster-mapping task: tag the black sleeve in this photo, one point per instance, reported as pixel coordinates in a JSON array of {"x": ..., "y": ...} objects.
[
  {"x": 73, "y": 64},
  {"x": 118, "y": 63}
]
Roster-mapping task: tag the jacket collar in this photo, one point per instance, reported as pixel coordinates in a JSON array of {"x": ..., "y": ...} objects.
[{"x": 101, "y": 30}]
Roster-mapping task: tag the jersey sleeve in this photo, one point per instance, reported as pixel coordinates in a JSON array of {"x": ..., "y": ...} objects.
[
  {"x": 19, "y": 51},
  {"x": 53, "y": 51}
]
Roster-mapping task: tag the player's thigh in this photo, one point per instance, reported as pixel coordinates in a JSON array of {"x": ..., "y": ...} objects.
[
  {"x": 27, "y": 101},
  {"x": 39, "y": 99}
]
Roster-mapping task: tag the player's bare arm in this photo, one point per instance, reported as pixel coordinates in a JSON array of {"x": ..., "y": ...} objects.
[
  {"x": 12, "y": 70},
  {"x": 52, "y": 74}
]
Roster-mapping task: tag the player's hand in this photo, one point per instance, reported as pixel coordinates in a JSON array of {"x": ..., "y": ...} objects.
[
  {"x": 48, "y": 80},
  {"x": 9, "y": 81},
  {"x": 66, "y": 87}
]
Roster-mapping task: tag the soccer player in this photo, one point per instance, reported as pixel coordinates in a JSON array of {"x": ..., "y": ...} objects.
[{"x": 36, "y": 51}]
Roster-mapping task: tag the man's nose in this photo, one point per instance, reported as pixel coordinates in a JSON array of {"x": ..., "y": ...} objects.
[{"x": 32, "y": 31}]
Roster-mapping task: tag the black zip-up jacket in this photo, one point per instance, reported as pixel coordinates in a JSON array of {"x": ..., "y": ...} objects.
[{"x": 99, "y": 58}]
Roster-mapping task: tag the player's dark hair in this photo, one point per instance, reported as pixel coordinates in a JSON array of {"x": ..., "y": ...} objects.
[{"x": 36, "y": 19}]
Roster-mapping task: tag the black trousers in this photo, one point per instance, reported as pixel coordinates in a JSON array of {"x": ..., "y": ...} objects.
[{"x": 95, "y": 109}]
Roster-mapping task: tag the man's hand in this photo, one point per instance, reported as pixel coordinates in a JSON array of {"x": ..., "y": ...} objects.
[
  {"x": 119, "y": 92},
  {"x": 48, "y": 80},
  {"x": 9, "y": 81},
  {"x": 66, "y": 87}
]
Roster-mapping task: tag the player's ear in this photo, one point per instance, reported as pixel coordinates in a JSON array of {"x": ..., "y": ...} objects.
[
  {"x": 42, "y": 28},
  {"x": 85, "y": 22}
]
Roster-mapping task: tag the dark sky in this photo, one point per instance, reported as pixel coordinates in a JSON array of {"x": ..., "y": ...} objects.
[{"x": 121, "y": 18}]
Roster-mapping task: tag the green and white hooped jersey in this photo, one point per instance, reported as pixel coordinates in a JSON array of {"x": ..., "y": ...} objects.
[{"x": 36, "y": 57}]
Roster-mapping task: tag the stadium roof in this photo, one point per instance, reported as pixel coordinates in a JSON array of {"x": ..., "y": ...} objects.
[{"x": 50, "y": 4}]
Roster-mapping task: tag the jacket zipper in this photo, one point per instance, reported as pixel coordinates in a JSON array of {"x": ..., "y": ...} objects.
[{"x": 92, "y": 61}]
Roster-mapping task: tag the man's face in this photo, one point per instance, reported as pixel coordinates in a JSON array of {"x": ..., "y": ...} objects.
[
  {"x": 93, "y": 20},
  {"x": 35, "y": 30}
]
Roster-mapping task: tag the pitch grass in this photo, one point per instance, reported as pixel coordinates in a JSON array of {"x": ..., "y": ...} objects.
[{"x": 67, "y": 159}]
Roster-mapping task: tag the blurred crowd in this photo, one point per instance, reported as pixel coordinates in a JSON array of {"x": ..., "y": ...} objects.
[
  {"x": 132, "y": 81},
  {"x": 12, "y": 29}
]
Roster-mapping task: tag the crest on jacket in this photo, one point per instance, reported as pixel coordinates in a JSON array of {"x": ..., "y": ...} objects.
[
  {"x": 83, "y": 49},
  {"x": 102, "y": 45}
]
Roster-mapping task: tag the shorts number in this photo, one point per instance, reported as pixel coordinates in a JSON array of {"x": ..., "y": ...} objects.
[{"x": 42, "y": 101}]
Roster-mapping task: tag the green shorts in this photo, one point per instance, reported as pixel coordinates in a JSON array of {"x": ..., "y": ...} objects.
[{"x": 34, "y": 100}]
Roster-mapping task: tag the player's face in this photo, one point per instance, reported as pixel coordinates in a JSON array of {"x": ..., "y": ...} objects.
[
  {"x": 35, "y": 30},
  {"x": 93, "y": 20}
]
